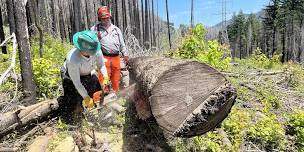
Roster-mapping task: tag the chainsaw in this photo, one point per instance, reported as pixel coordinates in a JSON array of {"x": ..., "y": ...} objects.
[{"x": 103, "y": 102}]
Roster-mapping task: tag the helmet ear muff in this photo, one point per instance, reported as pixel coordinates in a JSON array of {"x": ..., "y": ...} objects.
[{"x": 98, "y": 16}]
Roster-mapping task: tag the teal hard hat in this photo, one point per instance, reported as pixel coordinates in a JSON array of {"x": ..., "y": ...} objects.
[{"x": 87, "y": 41}]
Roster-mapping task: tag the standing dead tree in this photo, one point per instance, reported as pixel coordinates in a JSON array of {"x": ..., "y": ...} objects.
[
  {"x": 25, "y": 58},
  {"x": 2, "y": 37}
]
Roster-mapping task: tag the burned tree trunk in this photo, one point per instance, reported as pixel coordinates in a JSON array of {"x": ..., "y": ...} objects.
[
  {"x": 25, "y": 58},
  {"x": 10, "y": 15},
  {"x": 187, "y": 98},
  {"x": 2, "y": 38}
]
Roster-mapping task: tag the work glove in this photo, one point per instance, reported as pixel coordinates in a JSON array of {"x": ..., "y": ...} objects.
[
  {"x": 88, "y": 102},
  {"x": 105, "y": 80},
  {"x": 97, "y": 96},
  {"x": 126, "y": 59}
]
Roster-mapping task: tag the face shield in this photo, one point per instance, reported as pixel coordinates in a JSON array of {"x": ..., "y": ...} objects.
[{"x": 87, "y": 46}]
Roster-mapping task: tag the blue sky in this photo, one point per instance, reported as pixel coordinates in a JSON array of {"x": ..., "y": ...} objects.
[{"x": 207, "y": 12}]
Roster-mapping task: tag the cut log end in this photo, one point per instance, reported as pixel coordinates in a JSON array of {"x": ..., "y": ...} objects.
[{"x": 209, "y": 114}]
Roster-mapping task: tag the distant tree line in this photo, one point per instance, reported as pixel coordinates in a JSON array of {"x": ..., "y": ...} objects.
[
  {"x": 63, "y": 18},
  {"x": 280, "y": 30}
]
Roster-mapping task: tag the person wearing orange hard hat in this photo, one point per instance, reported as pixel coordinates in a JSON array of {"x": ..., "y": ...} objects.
[{"x": 112, "y": 45}]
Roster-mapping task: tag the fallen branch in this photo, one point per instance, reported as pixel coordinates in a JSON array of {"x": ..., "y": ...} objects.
[
  {"x": 4, "y": 149},
  {"x": 236, "y": 75},
  {"x": 13, "y": 37}
]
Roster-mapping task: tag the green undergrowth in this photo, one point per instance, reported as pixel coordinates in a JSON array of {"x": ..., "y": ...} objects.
[
  {"x": 46, "y": 69},
  {"x": 259, "y": 116},
  {"x": 296, "y": 128},
  {"x": 196, "y": 48},
  {"x": 268, "y": 132}
]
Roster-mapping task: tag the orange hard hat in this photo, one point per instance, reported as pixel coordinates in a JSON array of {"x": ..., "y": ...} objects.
[{"x": 103, "y": 12}]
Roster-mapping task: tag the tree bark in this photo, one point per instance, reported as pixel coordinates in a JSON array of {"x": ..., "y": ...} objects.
[
  {"x": 21, "y": 117},
  {"x": 192, "y": 14},
  {"x": 25, "y": 58},
  {"x": 55, "y": 12},
  {"x": 143, "y": 22},
  {"x": 168, "y": 24},
  {"x": 76, "y": 16},
  {"x": 90, "y": 13},
  {"x": 153, "y": 25},
  {"x": 39, "y": 25},
  {"x": 2, "y": 36},
  {"x": 120, "y": 15},
  {"x": 181, "y": 108},
  {"x": 146, "y": 24},
  {"x": 10, "y": 15},
  {"x": 83, "y": 14},
  {"x": 300, "y": 43},
  {"x": 61, "y": 21},
  {"x": 127, "y": 12}
]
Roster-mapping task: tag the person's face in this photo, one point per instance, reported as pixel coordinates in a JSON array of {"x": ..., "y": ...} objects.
[
  {"x": 105, "y": 21},
  {"x": 86, "y": 54}
]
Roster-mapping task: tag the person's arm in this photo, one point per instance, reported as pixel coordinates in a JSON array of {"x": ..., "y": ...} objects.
[
  {"x": 74, "y": 73},
  {"x": 123, "y": 47}
]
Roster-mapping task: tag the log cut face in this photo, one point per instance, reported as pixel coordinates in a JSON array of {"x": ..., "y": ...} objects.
[{"x": 187, "y": 98}]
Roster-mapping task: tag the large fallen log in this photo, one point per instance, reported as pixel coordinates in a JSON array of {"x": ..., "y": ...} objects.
[
  {"x": 187, "y": 98},
  {"x": 13, "y": 120}
]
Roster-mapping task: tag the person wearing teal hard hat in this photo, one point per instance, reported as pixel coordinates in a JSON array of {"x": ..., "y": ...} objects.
[{"x": 79, "y": 76}]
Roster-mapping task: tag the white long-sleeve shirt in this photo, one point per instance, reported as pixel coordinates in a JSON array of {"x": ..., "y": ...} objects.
[{"x": 77, "y": 65}]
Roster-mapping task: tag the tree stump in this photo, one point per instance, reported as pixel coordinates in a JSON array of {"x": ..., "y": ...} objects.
[{"x": 187, "y": 98}]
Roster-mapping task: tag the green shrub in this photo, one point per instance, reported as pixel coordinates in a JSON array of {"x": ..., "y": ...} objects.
[
  {"x": 216, "y": 55},
  {"x": 47, "y": 69},
  {"x": 181, "y": 145},
  {"x": 269, "y": 98},
  {"x": 47, "y": 77},
  {"x": 193, "y": 44},
  {"x": 268, "y": 132},
  {"x": 260, "y": 61},
  {"x": 236, "y": 125},
  {"x": 296, "y": 127},
  {"x": 296, "y": 78},
  {"x": 211, "y": 52},
  {"x": 211, "y": 142}
]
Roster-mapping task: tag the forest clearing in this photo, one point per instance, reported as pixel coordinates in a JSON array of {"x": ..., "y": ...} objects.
[{"x": 192, "y": 88}]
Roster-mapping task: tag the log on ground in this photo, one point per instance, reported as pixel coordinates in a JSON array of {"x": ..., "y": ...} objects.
[
  {"x": 187, "y": 98},
  {"x": 13, "y": 120}
]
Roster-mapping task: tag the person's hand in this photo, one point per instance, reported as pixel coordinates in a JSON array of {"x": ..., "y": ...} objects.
[
  {"x": 126, "y": 59},
  {"x": 88, "y": 102},
  {"x": 97, "y": 96},
  {"x": 105, "y": 80}
]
